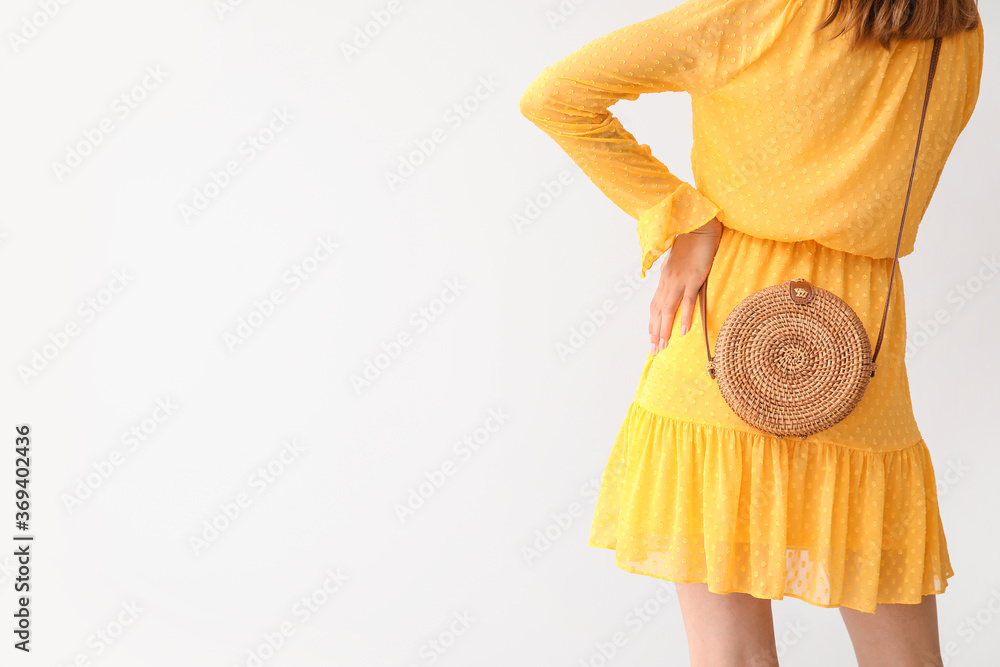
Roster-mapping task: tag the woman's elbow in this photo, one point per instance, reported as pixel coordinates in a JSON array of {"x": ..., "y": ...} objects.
[{"x": 536, "y": 101}]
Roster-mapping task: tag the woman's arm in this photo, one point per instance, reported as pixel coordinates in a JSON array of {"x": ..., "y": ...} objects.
[{"x": 695, "y": 47}]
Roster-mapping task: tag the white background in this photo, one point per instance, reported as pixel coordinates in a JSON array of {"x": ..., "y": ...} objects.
[{"x": 493, "y": 346}]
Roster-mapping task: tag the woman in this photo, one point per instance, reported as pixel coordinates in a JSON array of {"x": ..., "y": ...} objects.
[{"x": 805, "y": 117}]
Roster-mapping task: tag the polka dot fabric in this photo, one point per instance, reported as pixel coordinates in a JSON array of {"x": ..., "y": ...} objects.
[
  {"x": 796, "y": 137},
  {"x": 802, "y": 148}
]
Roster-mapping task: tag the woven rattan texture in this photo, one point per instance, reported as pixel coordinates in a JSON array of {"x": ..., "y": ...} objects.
[{"x": 792, "y": 369}]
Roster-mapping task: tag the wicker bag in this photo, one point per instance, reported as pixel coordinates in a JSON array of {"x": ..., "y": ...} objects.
[{"x": 794, "y": 359}]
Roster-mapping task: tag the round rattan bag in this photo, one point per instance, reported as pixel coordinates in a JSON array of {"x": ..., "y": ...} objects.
[{"x": 792, "y": 359}]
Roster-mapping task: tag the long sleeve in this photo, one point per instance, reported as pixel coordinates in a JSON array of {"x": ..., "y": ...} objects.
[
  {"x": 696, "y": 47},
  {"x": 974, "y": 53}
]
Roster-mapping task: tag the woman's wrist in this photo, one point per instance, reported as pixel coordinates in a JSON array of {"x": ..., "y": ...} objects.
[{"x": 711, "y": 226}]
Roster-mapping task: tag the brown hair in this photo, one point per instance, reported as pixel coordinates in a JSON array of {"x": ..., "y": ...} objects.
[{"x": 884, "y": 20}]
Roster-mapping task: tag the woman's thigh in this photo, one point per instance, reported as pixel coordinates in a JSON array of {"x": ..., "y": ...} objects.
[
  {"x": 896, "y": 635},
  {"x": 727, "y": 630}
]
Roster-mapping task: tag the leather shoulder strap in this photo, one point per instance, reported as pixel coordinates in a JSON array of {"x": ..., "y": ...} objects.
[{"x": 899, "y": 238}]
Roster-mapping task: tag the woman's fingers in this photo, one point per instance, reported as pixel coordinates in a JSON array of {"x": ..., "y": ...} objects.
[
  {"x": 667, "y": 316},
  {"x": 664, "y": 313},
  {"x": 663, "y": 310},
  {"x": 655, "y": 307},
  {"x": 687, "y": 307}
]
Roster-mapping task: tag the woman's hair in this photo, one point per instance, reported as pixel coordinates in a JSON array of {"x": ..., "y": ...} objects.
[{"x": 884, "y": 20}]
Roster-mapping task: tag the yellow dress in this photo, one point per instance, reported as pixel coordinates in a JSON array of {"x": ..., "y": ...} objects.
[{"x": 802, "y": 148}]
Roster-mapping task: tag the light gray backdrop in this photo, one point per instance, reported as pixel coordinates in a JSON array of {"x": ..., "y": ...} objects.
[{"x": 242, "y": 348}]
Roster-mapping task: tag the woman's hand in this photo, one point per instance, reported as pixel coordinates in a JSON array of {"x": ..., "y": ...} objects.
[{"x": 684, "y": 270}]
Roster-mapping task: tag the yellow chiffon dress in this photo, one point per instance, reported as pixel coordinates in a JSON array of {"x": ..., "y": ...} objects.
[{"x": 803, "y": 149}]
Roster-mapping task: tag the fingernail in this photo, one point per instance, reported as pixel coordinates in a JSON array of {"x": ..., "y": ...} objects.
[
  {"x": 662, "y": 344},
  {"x": 684, "y": 329},
  {"x": 652, "y": 348}
]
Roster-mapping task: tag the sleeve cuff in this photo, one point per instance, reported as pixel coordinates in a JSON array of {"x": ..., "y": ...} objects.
[{"x": 682, "y": 211}]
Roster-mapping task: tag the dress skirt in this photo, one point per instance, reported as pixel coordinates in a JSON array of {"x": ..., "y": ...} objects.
[{"x": 844, "y": 517}]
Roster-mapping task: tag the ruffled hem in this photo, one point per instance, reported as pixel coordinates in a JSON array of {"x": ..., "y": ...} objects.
[
  {"x": 745, "y": 512},
  {"x": 683, "y": 210}
]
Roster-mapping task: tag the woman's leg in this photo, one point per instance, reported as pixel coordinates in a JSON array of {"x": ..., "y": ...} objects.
[
  {"x": 896, "y": 635},
  {"x": 730, "y": 630}
]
